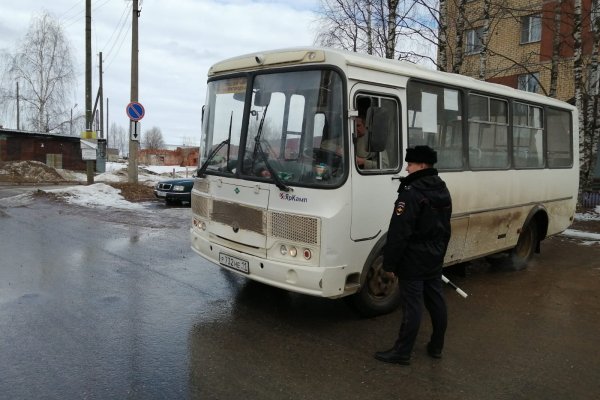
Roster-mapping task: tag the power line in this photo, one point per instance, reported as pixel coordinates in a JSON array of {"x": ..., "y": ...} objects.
[
  {"x": 119, "y": 48},
  {"x": 123, "y": 22},
  {"x": 126, "y": 11}
]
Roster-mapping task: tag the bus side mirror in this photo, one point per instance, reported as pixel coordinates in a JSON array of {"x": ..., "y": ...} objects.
[
  {"x": 378, "y": 125},
  {"x": 262, "y": 98}
]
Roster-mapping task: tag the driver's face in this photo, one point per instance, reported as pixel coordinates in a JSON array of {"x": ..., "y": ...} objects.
[{"x": 360, "y": 127}]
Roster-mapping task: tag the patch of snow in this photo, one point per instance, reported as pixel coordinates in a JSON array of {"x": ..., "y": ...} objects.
[
  {"x": 589, "y": 215},
  {"x": 581, "y": 235},
  {"x": 98, "y": 195}
]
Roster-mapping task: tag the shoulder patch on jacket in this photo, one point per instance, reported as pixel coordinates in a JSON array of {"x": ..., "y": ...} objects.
[{"x": 400, "y": 207}]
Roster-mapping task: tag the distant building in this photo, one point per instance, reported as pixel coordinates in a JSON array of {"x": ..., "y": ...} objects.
[
  {"x": 58, "y": 151},
  {"x": 182, "y": 156}
]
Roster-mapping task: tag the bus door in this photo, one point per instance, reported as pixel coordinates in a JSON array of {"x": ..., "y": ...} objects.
[{"x": 376, "y": 160}]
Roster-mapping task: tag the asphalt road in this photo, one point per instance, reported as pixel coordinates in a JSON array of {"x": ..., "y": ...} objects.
[{"x": 105, "y": 304}]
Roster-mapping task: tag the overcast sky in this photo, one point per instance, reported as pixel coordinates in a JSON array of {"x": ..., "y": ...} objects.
[{"x": 178, "y": 41}]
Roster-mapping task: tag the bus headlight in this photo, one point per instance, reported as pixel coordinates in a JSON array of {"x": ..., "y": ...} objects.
[{"x": 283, "y": 250}]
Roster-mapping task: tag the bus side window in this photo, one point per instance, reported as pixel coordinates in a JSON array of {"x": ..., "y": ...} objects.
[
  {"x": 488, "y": 132},
  {"x": 560, "y": 150},
  {"x": 435, "y": 119}
]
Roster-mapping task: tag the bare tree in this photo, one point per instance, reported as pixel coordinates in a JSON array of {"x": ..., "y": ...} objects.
[
  {"x": 556, "y": 41},
  {"x": 118, "y": 139},
  {"x": 341, "y": 27},
  {"x": 386, "y": 28},
  {"x": 442, "y": 58},
  {"x": 43, "y": 64},
  {"x": 153, "y": 139},
  {"x": 586, "y": 96}
]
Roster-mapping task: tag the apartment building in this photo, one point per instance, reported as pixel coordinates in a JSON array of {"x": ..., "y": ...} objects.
[{"x": 518, "y": 49}]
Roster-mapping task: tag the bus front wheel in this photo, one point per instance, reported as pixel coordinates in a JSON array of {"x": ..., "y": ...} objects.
[
  {"x": 526, "y": 245},
  {"x": 377, "y": 295}
]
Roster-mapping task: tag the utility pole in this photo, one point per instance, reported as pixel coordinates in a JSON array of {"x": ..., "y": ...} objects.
[
  {"x": 133, "y": 144},
  {"x": 107, "y": 110},
  {"x": 88, "y": 83},
  {"x": 101, "y": 100}
]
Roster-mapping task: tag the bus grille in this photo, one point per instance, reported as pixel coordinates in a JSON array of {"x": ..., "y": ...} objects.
[
  {"x": 252, "y": 219},
  {"x": 295, "y": 228},
  {"x": 200, "y": 205}
]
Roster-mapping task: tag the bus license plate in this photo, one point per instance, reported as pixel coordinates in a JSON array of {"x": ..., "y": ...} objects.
[{"x": 235, "y": 263}]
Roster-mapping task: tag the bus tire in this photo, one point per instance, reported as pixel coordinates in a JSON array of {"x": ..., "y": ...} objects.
[
  {"x": 520, "y": 255},
  {"x": 377, "y": 295}
]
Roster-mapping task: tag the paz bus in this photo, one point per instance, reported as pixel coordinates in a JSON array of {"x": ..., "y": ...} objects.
[{"x": 279, "y": 197}]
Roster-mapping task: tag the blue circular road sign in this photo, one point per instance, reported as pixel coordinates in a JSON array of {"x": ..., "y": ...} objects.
[{"x": 135, "y": 111}]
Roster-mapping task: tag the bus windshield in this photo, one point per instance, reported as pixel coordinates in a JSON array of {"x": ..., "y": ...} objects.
[{"x": 287, "y": 124}]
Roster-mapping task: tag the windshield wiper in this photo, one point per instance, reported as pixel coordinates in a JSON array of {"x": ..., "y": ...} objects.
[
  {"x": 212, "y": 155},
  {"x": 259, "y": 150},
  {"x": 200, "y": 172},
  {"x": 278, "y": 182}
]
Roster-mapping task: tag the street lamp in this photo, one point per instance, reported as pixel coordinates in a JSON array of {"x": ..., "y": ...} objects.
[{"x": 71, "y": 125}]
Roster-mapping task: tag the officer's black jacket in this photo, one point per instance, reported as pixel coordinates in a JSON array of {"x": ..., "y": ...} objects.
[{"x": 419, "y": 229}]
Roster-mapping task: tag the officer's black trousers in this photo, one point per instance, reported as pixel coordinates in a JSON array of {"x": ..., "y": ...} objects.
[{"x": 414, "y": 294}]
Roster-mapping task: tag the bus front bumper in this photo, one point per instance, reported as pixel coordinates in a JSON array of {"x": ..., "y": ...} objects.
[{"x": 315, "y": 281}]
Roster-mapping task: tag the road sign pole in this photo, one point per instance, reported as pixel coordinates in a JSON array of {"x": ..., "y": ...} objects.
[{"x": 133, "y": 145}]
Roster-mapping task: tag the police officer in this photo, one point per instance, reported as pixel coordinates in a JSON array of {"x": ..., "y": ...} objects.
[{"x": 417, "y": 239}]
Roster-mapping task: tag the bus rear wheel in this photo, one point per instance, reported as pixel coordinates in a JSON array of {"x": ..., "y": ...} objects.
[
  {"x": 377, "y": 295},
  {"x": 526, "y": 245}
]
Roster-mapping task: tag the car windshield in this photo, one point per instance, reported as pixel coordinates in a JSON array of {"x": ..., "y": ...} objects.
[{"x": 286, "y": 127}]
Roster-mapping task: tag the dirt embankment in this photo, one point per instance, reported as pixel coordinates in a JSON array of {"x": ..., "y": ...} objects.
[{"x": 28, "y": 172}]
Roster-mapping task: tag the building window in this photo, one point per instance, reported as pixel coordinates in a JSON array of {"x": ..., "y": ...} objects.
[
  {"x": 474, "y": 41},
  {"x": 531, "y": 29},
  {"x": 529, "y": 82}
]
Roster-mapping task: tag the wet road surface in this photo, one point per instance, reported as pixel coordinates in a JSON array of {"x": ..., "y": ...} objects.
[{"x": 105, "y": 304}]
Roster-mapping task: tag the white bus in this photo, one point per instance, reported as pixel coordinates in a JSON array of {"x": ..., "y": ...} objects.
[{"x": 280, "y": 198}]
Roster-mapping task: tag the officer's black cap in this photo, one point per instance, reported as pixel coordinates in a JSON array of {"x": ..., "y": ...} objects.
[{"x": 421, "y": 154}]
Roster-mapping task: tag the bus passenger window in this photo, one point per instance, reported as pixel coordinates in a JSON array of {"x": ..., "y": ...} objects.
[
  {"x": 488, "y": 132},
  {"x": 560, "y": 151},
  {"x": 435, "y": 120},
  {"x": 527, "y": 136}
]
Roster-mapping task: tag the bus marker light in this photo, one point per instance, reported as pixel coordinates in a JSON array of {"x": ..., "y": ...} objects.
[{"x": 307, "y": 254}]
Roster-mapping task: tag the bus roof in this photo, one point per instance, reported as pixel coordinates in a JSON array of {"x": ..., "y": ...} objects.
[{"x": 344, "y": 59}]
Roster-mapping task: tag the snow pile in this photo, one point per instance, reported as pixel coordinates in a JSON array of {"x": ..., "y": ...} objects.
[{"x": 99, "y": 195}]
